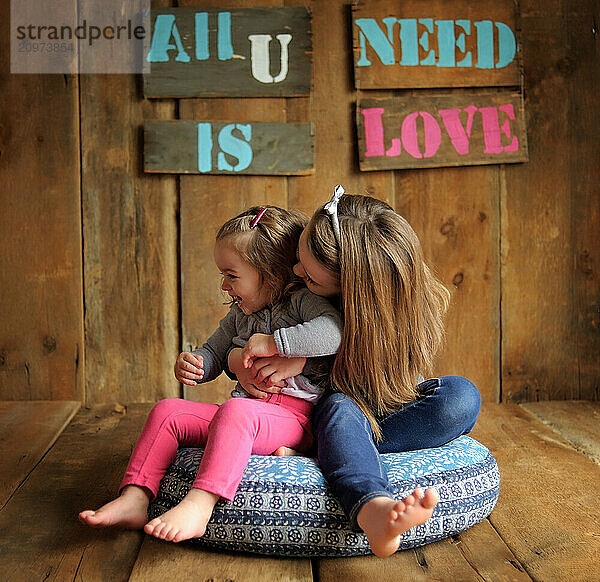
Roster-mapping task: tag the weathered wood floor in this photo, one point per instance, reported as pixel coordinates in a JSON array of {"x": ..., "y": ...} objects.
[{"x": 57, "y": 459}]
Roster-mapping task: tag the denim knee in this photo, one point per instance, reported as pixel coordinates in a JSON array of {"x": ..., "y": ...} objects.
[
  {"x": 347, "y": 454},
  {"x": 466, "y": 401},
  {"x": 334, "y": 407}
]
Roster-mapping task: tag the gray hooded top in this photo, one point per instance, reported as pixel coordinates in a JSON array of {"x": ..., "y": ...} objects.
[{"x": 306, "y": 325}]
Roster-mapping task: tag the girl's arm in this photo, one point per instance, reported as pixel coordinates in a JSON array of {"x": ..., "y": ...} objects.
[
  {"x": 267, "y": 375},
  {"x": 213, "y": 354},
  {"x": 275, "y": 370},
  {"x": 319, "y": 335}
]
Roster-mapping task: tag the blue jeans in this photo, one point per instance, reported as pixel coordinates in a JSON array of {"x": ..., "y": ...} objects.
[{"x": 446, "y": 408}]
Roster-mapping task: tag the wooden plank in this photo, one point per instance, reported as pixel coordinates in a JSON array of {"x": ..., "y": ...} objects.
[
  {"x": 230, "y": 52},
  {"x": 82, "y": 470},
  {"x": 159, "y": 560},
  {"x": 369, "y": 568},
  {"x": 41, "y": 337},
  {"x": 455, "y": 214},
  {"x": 27, "y": 431},
  {"x": 576, "y": 421},
  {"x": 547, "y": 512},
  {"x": 434, "y": 43},
  {"x": 487, "y": 554},
  {"x": 206, "y": 203},
  {"x": 539, "y": 318},
  {"x": 424, "y": 130},
  {"x": 331, "y": 107},
  {"x": 130, "y": 248},
  {"x": 475, "y": 555},
  {"x": 228, "y": 147},
  {"x": 583, "y": 88}
]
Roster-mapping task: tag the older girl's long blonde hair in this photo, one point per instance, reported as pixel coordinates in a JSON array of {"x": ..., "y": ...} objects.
[{"x": 392, "y": 304}]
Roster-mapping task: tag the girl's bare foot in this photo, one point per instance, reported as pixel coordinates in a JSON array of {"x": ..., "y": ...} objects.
[
  {"x": 286, "y": 452},
  {"x": 384, "y": 520},
  {"x": 186, "y": 520},
  {"x": 129, "y": 510}
]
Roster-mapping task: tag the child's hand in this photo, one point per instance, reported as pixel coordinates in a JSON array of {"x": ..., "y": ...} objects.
[
  {"x": 259, "y": 345},
  {"x": 274, "y": 370},
  {"x": 189, "y": 368},
  {"x": 247, "y": 377}
]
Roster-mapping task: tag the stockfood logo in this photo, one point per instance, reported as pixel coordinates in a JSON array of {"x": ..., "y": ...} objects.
[{"x": 96, "y": 36}]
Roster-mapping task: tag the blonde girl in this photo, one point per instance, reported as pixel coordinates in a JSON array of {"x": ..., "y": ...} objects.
[
  {"x": 359, "y": 252},
  {"x": 272, "y": 312}
]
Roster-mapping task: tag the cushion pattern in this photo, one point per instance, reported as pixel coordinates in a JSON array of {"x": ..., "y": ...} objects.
[{"x": 284, "y": 507}]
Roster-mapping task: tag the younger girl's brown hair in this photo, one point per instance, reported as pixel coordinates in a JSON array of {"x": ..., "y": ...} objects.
[
  {"x": 269, "y": 246},
  {"x": 392, "y": 304}
]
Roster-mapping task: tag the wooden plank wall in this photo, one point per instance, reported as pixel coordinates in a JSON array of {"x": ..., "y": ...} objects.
[
  {"x": 130, "y": 247},
  {"x": 518, "y": 245},
  {"x": 549, "y": 213},
  {"x": 41, "y": 297}
]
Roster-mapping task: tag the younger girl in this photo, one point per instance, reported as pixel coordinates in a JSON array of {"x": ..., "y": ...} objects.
[
  {"x": 255, "y": 253},
  {"x": 357, "y": 250}
]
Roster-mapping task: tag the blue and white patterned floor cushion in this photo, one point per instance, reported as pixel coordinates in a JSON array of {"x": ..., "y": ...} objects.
[{"x": 283, "y": 506}]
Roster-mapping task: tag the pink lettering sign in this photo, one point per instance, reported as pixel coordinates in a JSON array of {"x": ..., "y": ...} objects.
[{"x": 451, "y": 130}]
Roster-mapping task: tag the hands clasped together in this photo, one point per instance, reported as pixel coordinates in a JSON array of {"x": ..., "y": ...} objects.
[{"x": 258, "y": 367}]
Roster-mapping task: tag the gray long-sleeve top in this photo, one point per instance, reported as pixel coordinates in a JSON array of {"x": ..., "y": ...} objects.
[{"x": 306, "y": 325}]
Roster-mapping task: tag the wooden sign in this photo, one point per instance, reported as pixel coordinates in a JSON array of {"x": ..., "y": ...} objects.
[
  {"x": 210, "y": 147},
  {"x": 435, "y": 43},
  {"x": 431, "y": 131},
  {"x": 211, "y": 52}
]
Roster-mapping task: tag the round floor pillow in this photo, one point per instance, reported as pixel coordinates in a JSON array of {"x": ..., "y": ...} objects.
[{"x": 283, "y": 506}]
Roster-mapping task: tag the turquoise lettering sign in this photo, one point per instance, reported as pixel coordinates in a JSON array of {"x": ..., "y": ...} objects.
[
  {"x": 202, "y": 52},
  {"x": 401, "y": 45},
  {"x": 233, "y": 148}
]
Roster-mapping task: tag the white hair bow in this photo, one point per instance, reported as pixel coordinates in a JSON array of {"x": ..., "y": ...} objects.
[{"x": 332, "y": 209}]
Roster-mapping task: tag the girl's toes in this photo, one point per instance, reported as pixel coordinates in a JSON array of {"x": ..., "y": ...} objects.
[
  {"x": 399, "y": 507},
  {"x": 409, "y": 501},
  {"x": 171, "y": 534},
  {"x": 430, "y": 498},
  {"x": 158, "y": 530},
  {"x": 150, "y": 528},
  {"x": 159, "y": 533},
  {"x": 84, "y": 516}
]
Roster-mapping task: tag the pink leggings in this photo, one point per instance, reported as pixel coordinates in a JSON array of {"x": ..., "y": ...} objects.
[{"x": 230, "y": 433}]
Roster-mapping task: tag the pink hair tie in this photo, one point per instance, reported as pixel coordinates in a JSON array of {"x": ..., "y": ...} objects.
[{"x": 258, "y": 217}]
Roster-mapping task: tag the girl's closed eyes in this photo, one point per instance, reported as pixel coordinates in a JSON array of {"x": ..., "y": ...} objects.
[
  {"x": 309, "y": 279},
  {"x": 305, "y": 275}
]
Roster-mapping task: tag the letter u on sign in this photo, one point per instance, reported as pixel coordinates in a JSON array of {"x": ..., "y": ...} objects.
[{"x": 260, "y": 57}]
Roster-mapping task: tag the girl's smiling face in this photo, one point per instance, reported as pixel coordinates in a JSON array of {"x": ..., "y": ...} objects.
[
  {"x": 318, "y": 279},
  {"x": 240, "y": 280}
]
